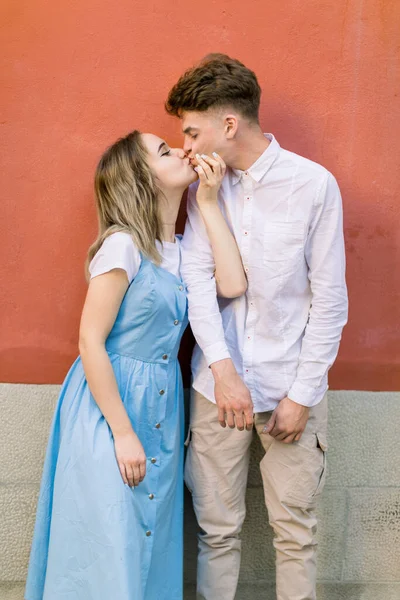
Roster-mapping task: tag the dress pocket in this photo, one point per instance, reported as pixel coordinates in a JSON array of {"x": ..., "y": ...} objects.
[{"x": 283, "y": 245}]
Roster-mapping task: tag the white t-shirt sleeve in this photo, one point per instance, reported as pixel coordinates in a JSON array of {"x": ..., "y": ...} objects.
[{"x": 117, "y": 252}]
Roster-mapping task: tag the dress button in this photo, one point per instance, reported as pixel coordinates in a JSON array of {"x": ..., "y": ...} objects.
[
  {"x": 176, "y": 322},
  {"x": 180, "y": 288},
  {"x": 165, "y": 356},
  {"x": 148, "y": 533},
  {"x": 158, "y": 425},
  {"x": 161, "y": 392},
  {"x": 151, "y": 496},
  {"x": 153, "y": 460}
]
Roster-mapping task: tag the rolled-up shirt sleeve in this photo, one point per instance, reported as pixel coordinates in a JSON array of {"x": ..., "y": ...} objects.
[
  {"x": 325, "y": 256},
  {"x": 197, "y": 270}
]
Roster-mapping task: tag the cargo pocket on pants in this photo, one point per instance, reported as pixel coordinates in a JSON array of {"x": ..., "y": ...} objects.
[
  {"x": 323, "y": 447},
  {"x": 308, "y": 485}
]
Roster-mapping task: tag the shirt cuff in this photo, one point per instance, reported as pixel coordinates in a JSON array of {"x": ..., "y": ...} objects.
[
  {"x": 215, "y": 352},
  {"x": 305, "y": 394}
]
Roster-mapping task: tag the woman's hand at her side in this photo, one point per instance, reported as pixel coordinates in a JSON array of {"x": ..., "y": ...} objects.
[
  {"x": 131, "y": 458},
  {"x": 211, "y": 171}
]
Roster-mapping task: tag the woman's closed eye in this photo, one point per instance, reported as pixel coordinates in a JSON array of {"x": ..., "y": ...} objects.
[{"x": 167, "y": 153}]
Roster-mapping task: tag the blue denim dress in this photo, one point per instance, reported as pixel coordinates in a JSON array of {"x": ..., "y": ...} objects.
[{"x": 95, "y": 538}]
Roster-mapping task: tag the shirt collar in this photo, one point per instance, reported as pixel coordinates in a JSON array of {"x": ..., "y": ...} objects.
[{"x": 262, "y": 164}]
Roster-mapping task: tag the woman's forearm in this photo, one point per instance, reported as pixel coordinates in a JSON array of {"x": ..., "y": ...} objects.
[
  {"x": 103, "y": 386},
  {"x": 229, "y": 272}
]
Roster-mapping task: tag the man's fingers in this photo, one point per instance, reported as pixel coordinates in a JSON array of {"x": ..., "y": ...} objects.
[
  {"x": 284, "y": 436},
  {"x": 239, "y": 421},
  {"x": 249, "y": 418},
  {"x": 276, "y": 430},
  {"x": 281, "y": 435},
  {"x": 270, "y": 425},
  {"x": 230, "y": 420},
  {"x": 221, "y": 416}
]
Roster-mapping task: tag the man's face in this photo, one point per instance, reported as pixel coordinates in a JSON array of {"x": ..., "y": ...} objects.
[{"x": 204, "y": 133}]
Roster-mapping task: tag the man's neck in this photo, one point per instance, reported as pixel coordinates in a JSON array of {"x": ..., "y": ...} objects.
[{"x": 249, "y": 147}]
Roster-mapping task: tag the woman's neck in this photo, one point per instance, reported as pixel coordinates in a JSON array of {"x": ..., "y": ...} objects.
[
  {"x": 169, "y": 209},
  {"x": 168, "y": 232}
]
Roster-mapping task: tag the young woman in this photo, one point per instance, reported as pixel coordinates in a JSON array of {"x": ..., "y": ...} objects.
[{"x": 110, "y": 512}]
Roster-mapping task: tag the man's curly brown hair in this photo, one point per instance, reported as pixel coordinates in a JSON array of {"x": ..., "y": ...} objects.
[{"x": 216, "y": 81}]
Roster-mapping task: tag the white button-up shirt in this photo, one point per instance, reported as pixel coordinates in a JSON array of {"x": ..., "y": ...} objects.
[{"x": 283, "y": 335}]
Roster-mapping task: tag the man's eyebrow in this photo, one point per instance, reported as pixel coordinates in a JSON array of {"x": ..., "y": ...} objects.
[
  {"x": 190, "y": 129},
  {"x": 161, "y": 145}
]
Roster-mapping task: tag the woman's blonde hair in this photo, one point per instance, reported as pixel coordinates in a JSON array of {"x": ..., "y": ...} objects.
[{"x": 127, "y": 197}]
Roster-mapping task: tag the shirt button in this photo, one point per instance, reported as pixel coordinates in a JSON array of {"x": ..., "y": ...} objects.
[
  {"x": 246, "y": 269},
  {"x": 151, "y": 496},
  {"x": 148, "y": 533},
  {"x": 153, "y": 460},
  {"x": 245, "y": 233},
  {"x": 165, "y": 356},
  {"x": 161, "y": 392},
  {"x": 158, "y": 425},
  {"x": 180, "y": 288},
  {"x": 176, "y": 322}
]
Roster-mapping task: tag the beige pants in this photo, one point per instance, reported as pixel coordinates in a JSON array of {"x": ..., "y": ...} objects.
[{"x": 293, "y": 478}]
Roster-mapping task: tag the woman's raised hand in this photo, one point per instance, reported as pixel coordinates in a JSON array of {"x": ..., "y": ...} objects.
[{"x": 211, "y": 171}]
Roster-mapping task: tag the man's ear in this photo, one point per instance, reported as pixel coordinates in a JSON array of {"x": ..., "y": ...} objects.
[{"x": 230, "y": 126}]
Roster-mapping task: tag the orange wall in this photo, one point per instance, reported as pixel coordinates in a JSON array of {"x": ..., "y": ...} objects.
[{"x": 80, "y": 73}]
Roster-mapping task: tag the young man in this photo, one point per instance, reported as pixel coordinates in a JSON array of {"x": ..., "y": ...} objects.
[{"x": 267, "y": 352}]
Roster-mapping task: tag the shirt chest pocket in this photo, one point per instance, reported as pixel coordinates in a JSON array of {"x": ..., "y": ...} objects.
[{"x": 283, "y": 246}]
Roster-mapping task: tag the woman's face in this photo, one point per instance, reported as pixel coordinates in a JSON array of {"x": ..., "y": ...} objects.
[{"x": 170, "y": 165}]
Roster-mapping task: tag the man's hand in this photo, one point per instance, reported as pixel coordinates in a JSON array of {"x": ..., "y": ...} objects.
[
  {"x": 232, "y": 396},
  {"x": 288, "y": 421}
]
